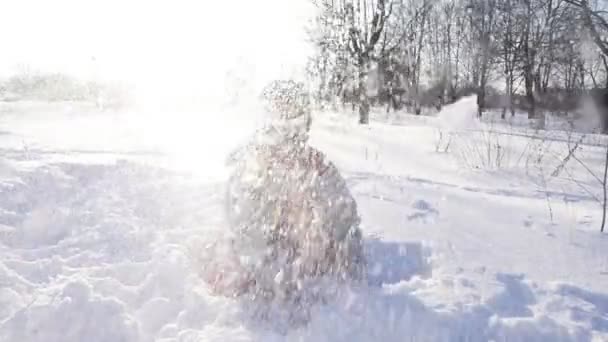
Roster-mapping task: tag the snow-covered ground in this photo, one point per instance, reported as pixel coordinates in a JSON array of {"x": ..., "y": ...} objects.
[{"x": 102, "y": 215}]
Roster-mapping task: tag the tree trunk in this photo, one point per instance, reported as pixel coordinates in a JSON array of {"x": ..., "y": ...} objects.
[
  {"x": 363, "y": 98},
  {"x": 529, "y": 57},
  {"x": 481, "y": 98},
  {"x": 605, "y": 62},
  {"x": 540, "y": 123},
  {"x": 529, "y": 84},
  {"x": 507, "y": 89},
  {"x": 604, "y": 186}
]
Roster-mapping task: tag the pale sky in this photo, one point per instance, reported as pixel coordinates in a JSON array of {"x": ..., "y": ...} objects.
[{"x": 184, "y": 41}]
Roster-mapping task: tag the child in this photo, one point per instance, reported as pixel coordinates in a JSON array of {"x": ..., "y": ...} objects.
[{"x": 293, "y": 220}]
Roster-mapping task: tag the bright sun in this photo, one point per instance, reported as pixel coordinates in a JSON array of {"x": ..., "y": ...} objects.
[{"x": 168, "y": 49}]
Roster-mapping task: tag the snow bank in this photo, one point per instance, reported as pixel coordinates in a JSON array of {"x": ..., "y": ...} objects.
[
  {"x": 120, "y": 271},
  {"x": 459, "y": 115},
  {"x": 71, "y": 316}
]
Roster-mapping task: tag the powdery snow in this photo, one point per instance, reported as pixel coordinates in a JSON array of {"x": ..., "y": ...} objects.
[{"x": 103, "y": 217}]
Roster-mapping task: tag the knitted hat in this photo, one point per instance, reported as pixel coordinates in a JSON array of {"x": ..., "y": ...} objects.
[{"x": 288, "y": 104}]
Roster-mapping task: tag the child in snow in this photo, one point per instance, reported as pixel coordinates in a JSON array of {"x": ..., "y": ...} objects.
[{"x": 293, "y": 220}]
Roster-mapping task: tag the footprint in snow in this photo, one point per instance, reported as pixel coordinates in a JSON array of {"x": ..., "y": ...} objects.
[
  {"x": 423, "y": 211},
  {"x": 586, "y": 220}
]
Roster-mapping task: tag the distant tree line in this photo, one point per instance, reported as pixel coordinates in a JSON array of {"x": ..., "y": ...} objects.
[
  {"x": 60, "y": 87},
  {"x": 532, "y": 55}
]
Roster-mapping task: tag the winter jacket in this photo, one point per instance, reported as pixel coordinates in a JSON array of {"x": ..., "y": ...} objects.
[{"x": 293, "y": 219}]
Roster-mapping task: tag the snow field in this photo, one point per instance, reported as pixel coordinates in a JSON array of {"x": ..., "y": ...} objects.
[{"x": 99, "y": 240}]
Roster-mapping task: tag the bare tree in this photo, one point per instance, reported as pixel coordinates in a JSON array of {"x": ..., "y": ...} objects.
[
  {"x": 483, "y": 28},
  {"x": 358, "y": 26},
  {"x": 509, "y": 51},
  {"x": 421, "y": 50},
  {"x": 597, "y": 24},
  {"x": 363, "y": 38},
  {"x": 414, "y": 49},
  {"x": 595, "y": 21}
]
